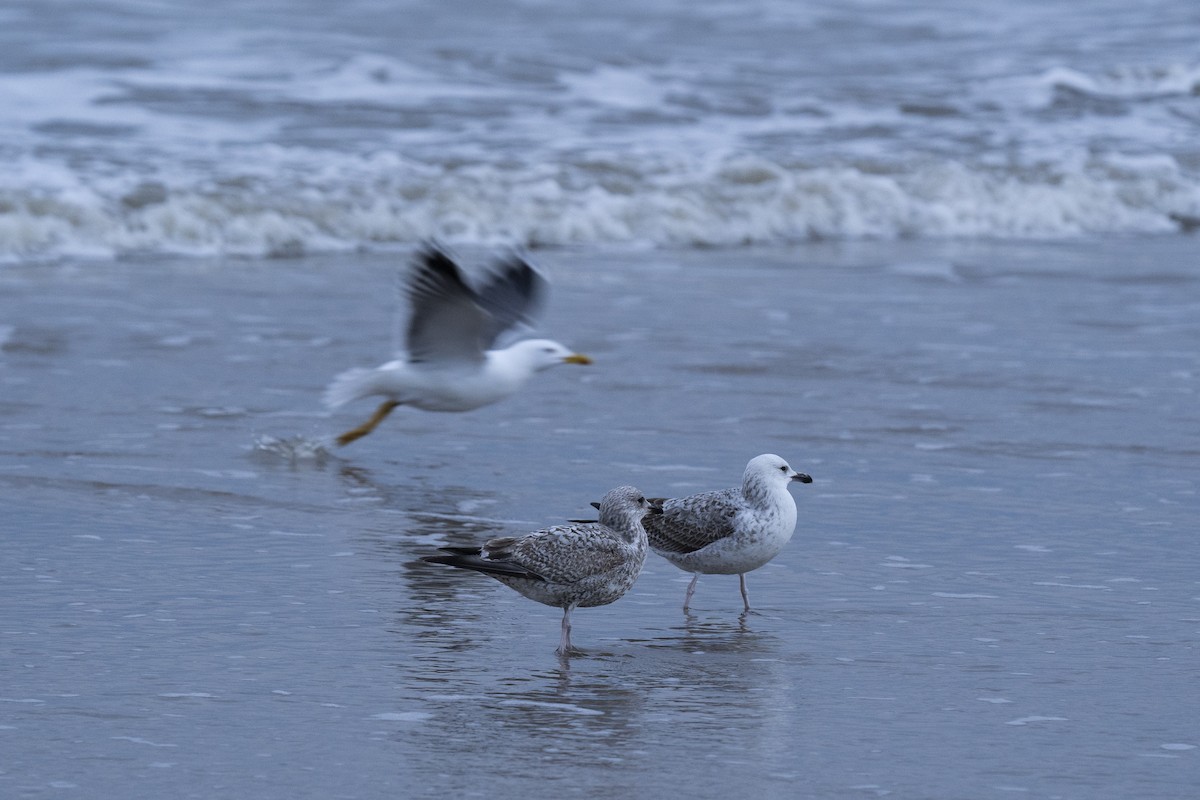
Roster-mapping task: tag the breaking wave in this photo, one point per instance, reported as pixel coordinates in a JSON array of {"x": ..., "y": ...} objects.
[{"x": 289, "y": 206}]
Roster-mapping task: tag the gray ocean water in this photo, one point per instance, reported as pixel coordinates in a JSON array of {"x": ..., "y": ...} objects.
[
  {"x": 941, "y": 256},
  {"x": 992, "y": 588},
  {"x": 287, "y": 127}
]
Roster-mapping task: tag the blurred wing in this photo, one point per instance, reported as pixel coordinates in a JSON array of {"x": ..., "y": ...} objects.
[
  {"x": 512, "y": 296},
  {"x": 692, "y": 523},
  {"x": 446, "y": 322}
]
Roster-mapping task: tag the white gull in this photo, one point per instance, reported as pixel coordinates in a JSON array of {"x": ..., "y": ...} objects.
[
  {"x": 450, "y": 363},
  {"x": 568, "y": 566},
  {"x": 730, "y": 531}
]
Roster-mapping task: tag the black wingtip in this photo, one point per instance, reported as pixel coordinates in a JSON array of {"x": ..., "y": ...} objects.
[
  {"x": 459, "y": 551},
  {"x": 432, "y": 255},
  {"x": 470, "y": 558},
  {"x": 434, "y": 272},
  {"x": 525, "y": 279}
]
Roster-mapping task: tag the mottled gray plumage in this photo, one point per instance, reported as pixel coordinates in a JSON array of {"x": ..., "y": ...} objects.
[
  {"x": 568, "y": 566},
  {"x": 729, "y": 531},
  {"x": 695, "y": 521}
]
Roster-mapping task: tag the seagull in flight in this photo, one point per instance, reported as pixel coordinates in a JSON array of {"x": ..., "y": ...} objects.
[{"x": 451, "y": 362}]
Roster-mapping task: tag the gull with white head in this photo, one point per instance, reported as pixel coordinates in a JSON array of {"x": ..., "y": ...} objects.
[
  {"x": 730, "y": 531},
  {"x": 450, "y": 363},
  {"x": 568, "y": 566}
]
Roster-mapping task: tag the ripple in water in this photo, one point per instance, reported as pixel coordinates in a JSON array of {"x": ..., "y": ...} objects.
[{"x": 293, "y": 449}]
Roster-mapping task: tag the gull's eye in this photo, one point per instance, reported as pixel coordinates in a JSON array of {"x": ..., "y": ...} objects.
[
  {"x": 784, "y": 468},
  {"x": 641, "y": 501}
]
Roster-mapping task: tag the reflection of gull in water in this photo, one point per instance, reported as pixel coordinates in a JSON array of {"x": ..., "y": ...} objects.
[
  {"x": 568, "y": 566},
  {"x": 731, "y": 531},
  {"x": 450, "y": 364}
]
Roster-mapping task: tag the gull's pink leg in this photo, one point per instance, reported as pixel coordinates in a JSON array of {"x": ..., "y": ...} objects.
[
  {"x": 687, "y": 599},
  {"x": 564, "y": 644}
]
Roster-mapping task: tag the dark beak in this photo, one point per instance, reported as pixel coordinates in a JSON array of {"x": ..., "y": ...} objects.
[
  {"x": 655, "y": 508},
  {"x": 800, "y": 476}
]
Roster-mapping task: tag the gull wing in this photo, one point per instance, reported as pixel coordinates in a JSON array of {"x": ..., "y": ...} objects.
[
  {"x": 447, "y": 322},
  {"x": 692, "y": 523},
  {"x": 450, "y": 321},
  {"x": 512, "y": 296},
  {"x": 565, "y": 553}
]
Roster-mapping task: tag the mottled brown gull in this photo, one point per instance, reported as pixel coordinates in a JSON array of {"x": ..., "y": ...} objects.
[
  {"x": 450, "y": 361},
  {"x": 568, "y": 566},
  {"x": 730, "y": 531}
]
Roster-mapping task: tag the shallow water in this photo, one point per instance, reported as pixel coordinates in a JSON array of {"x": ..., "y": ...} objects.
[{"x": 992, "y": 589}]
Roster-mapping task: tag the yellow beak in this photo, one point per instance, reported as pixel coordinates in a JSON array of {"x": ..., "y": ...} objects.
[{"x": 577, "y": 358}]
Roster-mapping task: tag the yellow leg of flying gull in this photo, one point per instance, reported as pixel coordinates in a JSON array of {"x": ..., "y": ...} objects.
[{"x": 349, "y": 436}]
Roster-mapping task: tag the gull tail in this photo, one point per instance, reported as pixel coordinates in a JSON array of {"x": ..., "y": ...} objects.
[
  {"x": 353, "y": 384},
  {"x": 471, "y": 558}
]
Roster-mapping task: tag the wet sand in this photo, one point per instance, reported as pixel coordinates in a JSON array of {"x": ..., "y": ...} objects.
[{"x": 992, "y": 587}]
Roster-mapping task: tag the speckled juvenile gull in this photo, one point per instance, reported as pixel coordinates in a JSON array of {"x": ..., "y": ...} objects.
[
  {"x": 450, "y": 363},
  {"x": 568, "y": 566},
  {"x": 731, "y": 531}
]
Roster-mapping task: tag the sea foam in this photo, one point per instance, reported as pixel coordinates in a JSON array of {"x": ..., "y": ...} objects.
[{"x": 312, "y": 203}]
